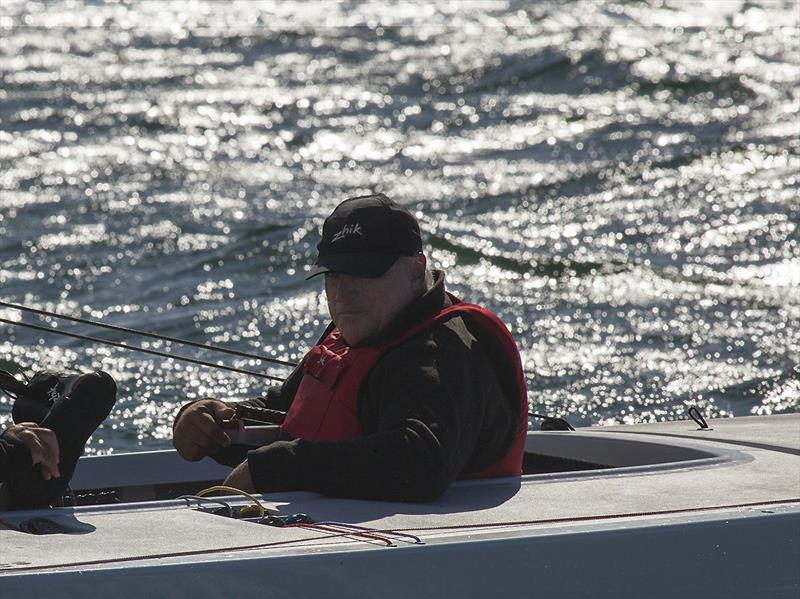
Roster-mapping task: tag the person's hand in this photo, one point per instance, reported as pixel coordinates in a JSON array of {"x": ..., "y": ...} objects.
[
  {"x": 41, "y": 442},
  {"x": 240, "y": 478},
  {"x": 198, "y": 433}
]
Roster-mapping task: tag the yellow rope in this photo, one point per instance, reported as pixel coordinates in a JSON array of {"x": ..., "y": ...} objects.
[{"x": 261, "y": 508}]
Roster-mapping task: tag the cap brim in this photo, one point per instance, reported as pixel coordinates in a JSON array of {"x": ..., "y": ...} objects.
[{"x": 372, "y": 266}]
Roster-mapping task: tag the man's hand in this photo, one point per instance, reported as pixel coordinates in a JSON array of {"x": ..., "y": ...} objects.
[
  {"x": 240, "y": 478},
  {"x": 198, "y": 433},
  {"x": 41, "y": 442}
]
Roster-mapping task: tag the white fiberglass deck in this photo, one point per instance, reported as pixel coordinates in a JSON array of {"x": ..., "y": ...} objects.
[{"x": 676, "y": 497}]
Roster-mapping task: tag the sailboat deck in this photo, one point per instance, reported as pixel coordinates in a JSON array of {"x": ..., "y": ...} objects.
[{"x": 742, "y": 466}]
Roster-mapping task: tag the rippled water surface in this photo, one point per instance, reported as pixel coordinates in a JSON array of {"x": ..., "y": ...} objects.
[{"x": 617, "y": 180}]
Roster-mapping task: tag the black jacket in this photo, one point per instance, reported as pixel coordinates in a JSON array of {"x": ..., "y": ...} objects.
[{"x": 431, "y": 409}]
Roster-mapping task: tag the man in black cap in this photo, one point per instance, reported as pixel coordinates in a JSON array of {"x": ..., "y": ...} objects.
[{"x": 407, "y": 389}]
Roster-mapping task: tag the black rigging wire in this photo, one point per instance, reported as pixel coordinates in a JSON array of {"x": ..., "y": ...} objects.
[
  {"x": 140, "y": 349},
  {"x": 143, "y": 333}
]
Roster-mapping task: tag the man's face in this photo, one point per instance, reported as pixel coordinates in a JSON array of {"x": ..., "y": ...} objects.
[{"x": 362, "y": 307}]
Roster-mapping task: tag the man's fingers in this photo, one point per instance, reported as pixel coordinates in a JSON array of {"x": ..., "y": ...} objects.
[
  {"x": 221, "y": 411},
  {"x": 43, "y": 445},
  {"x": 198, "y": 435},
  {"x": 192, "y": 444},
  {"x": 191, "y": 451},
  {"x": 198, "y": 432},
  {"x": 34, "y": 444},
  {"x": 208, "y": 426},
  {"x": 51, "y": 455}
]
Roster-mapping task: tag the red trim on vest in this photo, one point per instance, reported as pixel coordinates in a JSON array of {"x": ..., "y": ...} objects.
[{"x": 324, "y": 407}]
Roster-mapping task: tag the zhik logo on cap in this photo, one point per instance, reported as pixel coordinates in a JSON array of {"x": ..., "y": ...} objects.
[{"x": 354, "y": 229}]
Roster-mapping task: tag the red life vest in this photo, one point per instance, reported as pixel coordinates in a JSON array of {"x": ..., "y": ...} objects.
[{"x": 324, "y": 407}]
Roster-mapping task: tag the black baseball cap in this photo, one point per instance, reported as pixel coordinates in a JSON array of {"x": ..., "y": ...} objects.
[{"x": 364, "y": 236}]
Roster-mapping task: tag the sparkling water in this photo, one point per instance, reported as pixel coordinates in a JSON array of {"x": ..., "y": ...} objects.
[{"x": 617, "y": 180}]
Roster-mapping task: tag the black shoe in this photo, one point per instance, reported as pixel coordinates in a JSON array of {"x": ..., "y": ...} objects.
[
  {"x": 73, "y": 418},
  {"x": 35, "y": 398}
]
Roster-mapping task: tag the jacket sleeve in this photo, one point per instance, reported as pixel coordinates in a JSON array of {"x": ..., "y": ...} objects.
[
  {"x": 15, "y": 459},
  {"x": 425, "y": 409}
]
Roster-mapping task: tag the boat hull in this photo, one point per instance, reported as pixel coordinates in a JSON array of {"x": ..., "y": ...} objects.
[{"x": 724, "y": 554}]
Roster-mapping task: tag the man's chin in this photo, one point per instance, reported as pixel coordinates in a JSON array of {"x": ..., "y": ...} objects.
[
  {"x": 350, "y": 339},
  {"x": 352, "y": 336}
]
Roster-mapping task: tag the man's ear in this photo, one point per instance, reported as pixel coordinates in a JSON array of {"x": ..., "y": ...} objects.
[
  {"x": 421, "y": 261},
  {"x": 418, "y": 272}
]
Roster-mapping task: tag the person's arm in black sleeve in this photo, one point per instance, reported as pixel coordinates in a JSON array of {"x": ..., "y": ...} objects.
[{"x": 429, "y": 411}]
